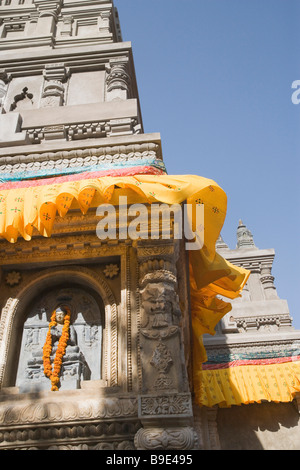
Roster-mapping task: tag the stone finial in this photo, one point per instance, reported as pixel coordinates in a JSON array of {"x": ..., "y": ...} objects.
[
  {"x": 244, "y": 236},
  {"x": 220, "y": 244}
]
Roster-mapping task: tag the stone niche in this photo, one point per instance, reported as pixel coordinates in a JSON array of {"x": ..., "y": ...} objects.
[
  {"x": 17, "y": 100},
  {"x": 86, "y": 87},
  {"x": 83, "y": 358},
  {"x": 93, "y": 297}
]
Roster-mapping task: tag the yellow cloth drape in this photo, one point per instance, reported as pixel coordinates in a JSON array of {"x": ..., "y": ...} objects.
[
  {"x": 23, "y": 209},
  {"x": 248, "y": 384}
]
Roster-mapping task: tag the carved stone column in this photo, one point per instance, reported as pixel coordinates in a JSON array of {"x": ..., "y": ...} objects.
[
  {"x": 165, "y": 407},
  {"x": 104, "y": 22},
  {"x": 4, "y": 79},
  {"x": 53, "y": 94},
  {"x": 267, "y": 281},
  {"x": 118, "y": 79}
]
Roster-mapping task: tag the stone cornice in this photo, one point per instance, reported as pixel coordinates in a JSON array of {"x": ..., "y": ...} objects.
[
  {"x": 107, "y": 145},
  {"x": 255, "y": 340},
  {"x": 32, "y": 62},
  {"x": 251, "y": 259},
  {"x": 51, "y": 250},
  {"x": 75, "y": 159}
]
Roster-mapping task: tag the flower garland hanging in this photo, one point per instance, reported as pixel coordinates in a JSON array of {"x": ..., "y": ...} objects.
[{"x": 53, "y": 372}]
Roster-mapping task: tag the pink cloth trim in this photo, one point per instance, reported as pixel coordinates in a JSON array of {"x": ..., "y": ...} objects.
[
  {"x": 250, "y": 362},
  {"x": 139, "y": 170}
]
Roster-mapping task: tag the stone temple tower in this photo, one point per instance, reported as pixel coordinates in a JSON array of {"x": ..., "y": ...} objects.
[{"x": 69, "y": 105}]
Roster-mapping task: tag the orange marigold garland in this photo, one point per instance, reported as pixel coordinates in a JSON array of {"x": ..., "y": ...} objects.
[{"x": 53, "y": 373}]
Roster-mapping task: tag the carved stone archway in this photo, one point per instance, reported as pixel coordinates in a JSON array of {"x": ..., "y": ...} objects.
[{"x": 13, "y": 316}]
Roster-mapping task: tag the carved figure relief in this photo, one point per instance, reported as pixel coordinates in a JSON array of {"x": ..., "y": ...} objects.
[
  {"x": 161, "y": 309},
  {"x": 24, "y": 97},
  {"x": 61, "y": 348},
  {"x": 42, "y": 345},
  {"x": 160, "y": 305}
]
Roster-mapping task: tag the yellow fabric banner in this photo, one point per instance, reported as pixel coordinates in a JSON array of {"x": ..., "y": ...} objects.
[
  {"x": 34, "y": 207},
  {"x": 248, "y": 384}
]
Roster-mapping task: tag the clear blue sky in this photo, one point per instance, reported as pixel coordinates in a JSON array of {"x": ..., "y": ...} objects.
[{"x": 214, "y": 78}]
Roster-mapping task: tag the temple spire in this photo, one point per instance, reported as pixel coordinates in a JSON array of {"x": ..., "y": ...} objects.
[
  {"x": 244, "y": 236},
  {"x": 220, "y": 244}
]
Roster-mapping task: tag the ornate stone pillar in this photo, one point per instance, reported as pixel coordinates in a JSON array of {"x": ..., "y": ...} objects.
[
  {"x": 165, "y": 407},
  {"x": 54, "y": 91},
  {"x": 104, "y": 22},
  {"x": 118, "y": 79},
  {"x": 267, "y": 281},
  {"x": 4, "y": 79},
  {"x": 67, "y": 25}
]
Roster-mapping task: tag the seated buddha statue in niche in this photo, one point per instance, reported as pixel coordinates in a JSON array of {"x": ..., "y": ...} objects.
[
  {"x": 56, "y": 331},
  {"x": 60, "y": 359}
]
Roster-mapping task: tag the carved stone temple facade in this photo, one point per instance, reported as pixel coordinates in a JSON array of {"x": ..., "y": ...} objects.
[{"x": 69, "y": 103}]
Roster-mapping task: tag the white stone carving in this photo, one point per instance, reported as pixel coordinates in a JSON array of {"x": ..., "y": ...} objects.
[{"x": 179, "y": 438}]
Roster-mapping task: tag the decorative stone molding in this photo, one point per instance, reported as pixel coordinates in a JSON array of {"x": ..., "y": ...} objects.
[
  {"x": 111, "y": 270},
  {"x": 214, "y": 440},
  {"x": 48, "y": 5},
  {"x": 78, "y": 158},
  {"x": 123, "y": 445},
  {"x": 86, "y": 247},
  {"x": 67, "y": 29},
  {"x": 179, "y": 438},
  {"x": 104, "y": 22},
  {"x": 63, "y": 421},
  {"x": 59, "y": 409},
  {"x": 259, "y": 323},
  {"x": 13, "y": 278},
  {"x": 165, "y": 406}
]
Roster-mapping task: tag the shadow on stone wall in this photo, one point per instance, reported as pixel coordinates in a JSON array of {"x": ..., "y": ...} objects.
[{"x": 265, "y": 426}]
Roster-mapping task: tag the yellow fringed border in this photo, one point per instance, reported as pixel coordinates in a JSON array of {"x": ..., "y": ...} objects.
[{"x": 247, "y": 384}]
